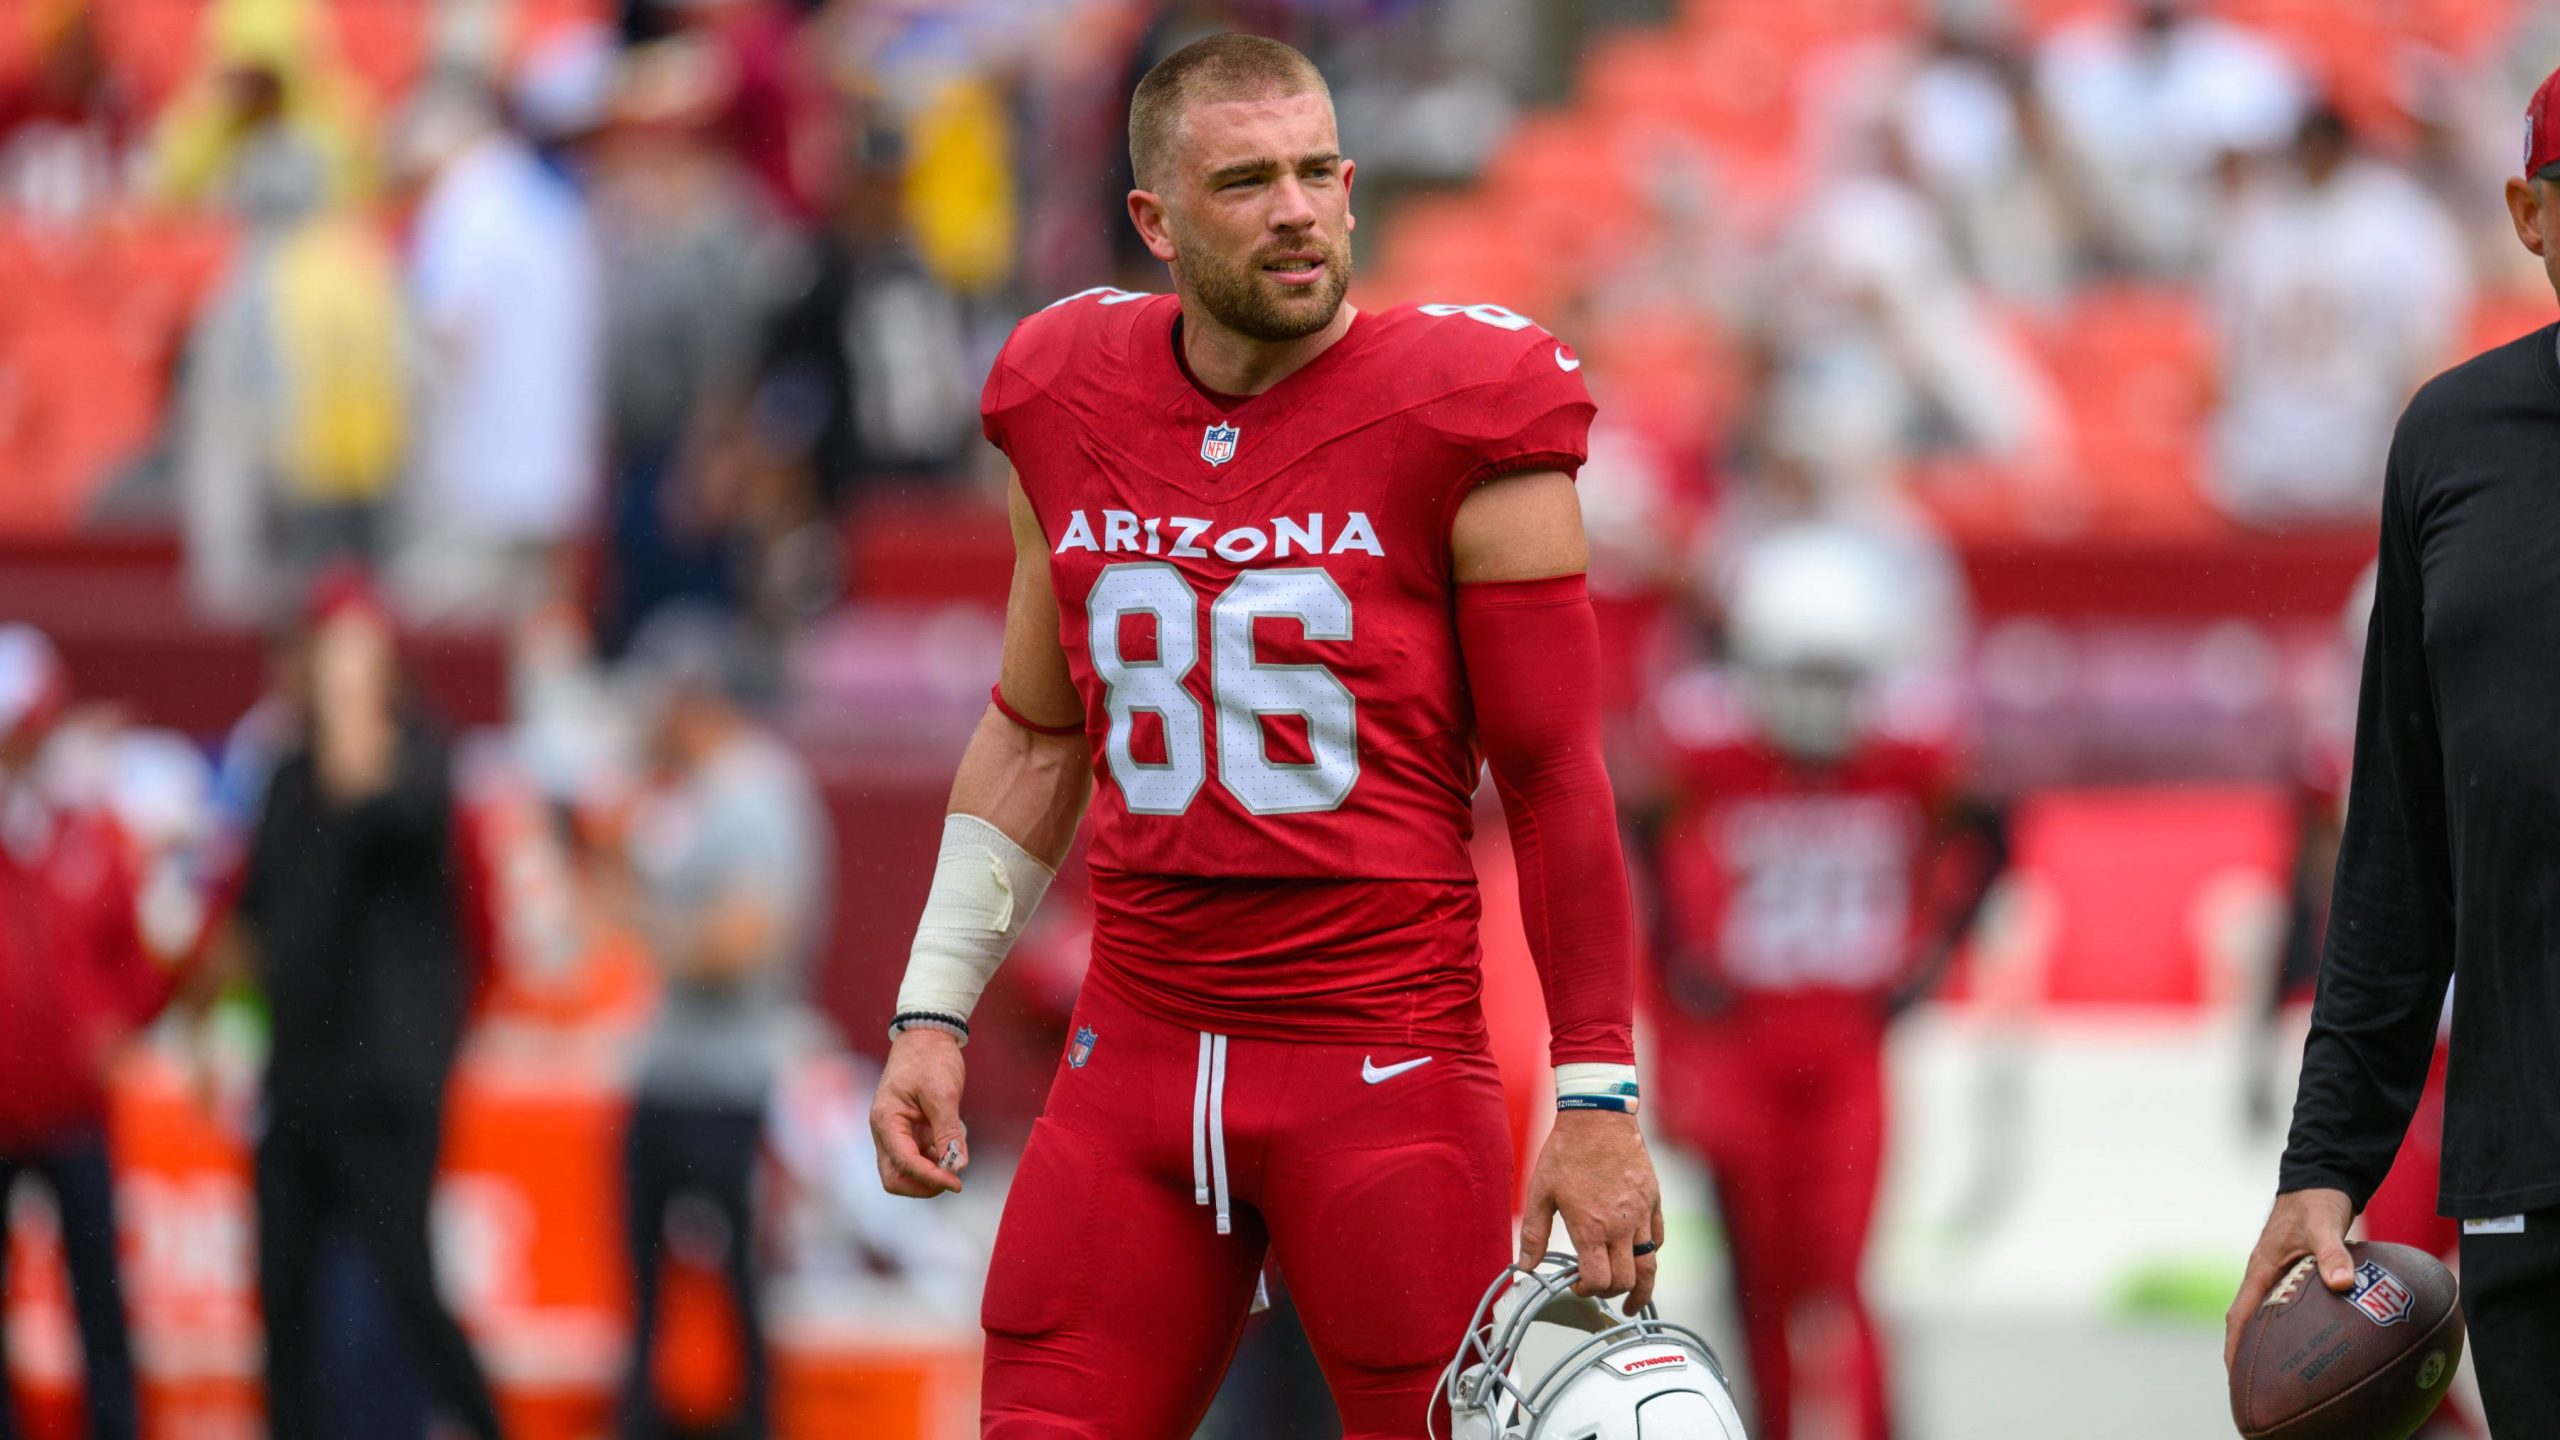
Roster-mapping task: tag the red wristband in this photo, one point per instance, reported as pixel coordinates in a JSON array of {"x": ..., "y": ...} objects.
[{"x": 996, "y": 693}]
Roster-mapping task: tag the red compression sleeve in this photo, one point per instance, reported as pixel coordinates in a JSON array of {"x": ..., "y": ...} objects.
[{"x": 1532, "y": 650}]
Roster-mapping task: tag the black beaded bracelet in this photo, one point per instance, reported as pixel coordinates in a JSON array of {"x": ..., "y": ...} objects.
[{"x": 930, "y": 1019}]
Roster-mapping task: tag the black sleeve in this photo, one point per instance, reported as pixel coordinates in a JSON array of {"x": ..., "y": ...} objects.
[{"x": 2390, "y": 945}]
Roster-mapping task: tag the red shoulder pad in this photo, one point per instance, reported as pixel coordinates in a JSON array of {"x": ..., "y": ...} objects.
[
  {"x": 1498, "y": 389},
  {"x": 1084, "y": 334}
]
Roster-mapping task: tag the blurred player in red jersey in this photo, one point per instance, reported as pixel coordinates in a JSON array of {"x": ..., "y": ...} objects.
[
  {"x": 1801, "y": 871},
  {"x": 1287, "y": 575}
]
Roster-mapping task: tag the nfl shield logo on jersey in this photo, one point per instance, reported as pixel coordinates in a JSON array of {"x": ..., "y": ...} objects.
[
  {"x": 1218, "y": 444},
  {"x": 2380, "y": 1295},
  {"x": 1082, "y": 1050}
]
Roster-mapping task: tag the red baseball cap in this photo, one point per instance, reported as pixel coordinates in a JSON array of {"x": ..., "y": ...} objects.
[{"x": 2542, "y": 128}]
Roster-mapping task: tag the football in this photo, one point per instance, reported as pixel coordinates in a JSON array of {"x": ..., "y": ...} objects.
[{"x": 2370, "y": 1364}]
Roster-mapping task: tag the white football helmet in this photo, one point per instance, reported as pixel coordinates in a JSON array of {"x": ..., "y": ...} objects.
[
  {"x": 1815, "y": 620},
  {"x": 1620, "y": 1379}
]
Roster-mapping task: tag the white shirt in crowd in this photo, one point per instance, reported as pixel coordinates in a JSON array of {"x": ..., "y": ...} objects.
[
  {"x": 2331, "y": 303},
  {"x": 508, "y": 295},
  {"x": 2146, "y": 118},
  {"x": 1882, "y": 349}
]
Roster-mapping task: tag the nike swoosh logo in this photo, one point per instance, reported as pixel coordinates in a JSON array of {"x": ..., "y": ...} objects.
[
  {"x": 1375, "y": 1073},
  {"x": 1567, "y": 366}
]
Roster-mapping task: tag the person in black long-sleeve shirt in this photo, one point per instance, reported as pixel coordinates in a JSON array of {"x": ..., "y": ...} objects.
[
  {"x": 349, "y": 905},
  {"x": 2450, "y": 864}
]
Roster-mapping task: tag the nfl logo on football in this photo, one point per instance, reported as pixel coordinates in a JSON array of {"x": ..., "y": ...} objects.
[
  {"x": 2380, "y": 1295},
  {"x": 1218, "y": 444}
]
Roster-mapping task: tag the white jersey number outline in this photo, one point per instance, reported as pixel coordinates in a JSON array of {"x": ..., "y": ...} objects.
[
  {"x": 1242, "y": 689},
  {"x": 1497, "y": 316}
]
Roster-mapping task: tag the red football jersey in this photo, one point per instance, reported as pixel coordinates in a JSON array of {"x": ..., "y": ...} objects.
[
  {"x": 1780, "y": 878},
  {"x": 1256, "y": 603}
]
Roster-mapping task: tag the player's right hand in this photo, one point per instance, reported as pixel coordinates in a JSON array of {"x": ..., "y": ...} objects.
[
  {"x": 915, "y": 1117},
  {"x": 2304, "y": 1222}
]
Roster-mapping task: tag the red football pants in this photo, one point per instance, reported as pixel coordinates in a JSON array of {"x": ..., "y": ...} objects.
[
  {"x": 1114, "y": 1302},
  {"x": 1784, "y": 1096},
  {"x": 2403, "y": 1209}
]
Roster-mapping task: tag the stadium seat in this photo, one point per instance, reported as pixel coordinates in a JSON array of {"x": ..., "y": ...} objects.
[
  {"x": 152, "y": 43},
  {"x": 2134, "y": 365},
  {"x": 384, "y": 43}
]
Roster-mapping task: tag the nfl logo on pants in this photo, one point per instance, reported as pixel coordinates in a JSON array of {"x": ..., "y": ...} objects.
[{"x": 1218, "y": 444}]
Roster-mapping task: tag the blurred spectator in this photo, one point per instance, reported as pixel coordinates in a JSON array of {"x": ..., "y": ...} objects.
[
  {"x": 66, "y": 123},
  {"x": 1880, "y": 352},
  {"x": 269, "y": 86},
  {"x": 2149, "y": 108},
  {"x": 865, "y": 379},
  {"x": 731, "y": 856},
  {"x": 1960, "y": 103},
  {"x": 348, "y": 904},
  {"x": 866, "y": 372},
  {"x": 2338, "y": 285},
  {"x": 76, "y": 979},
  {"x": 503, "y": 274},
  {"x": 562, "y": 95},
  {"x": 682, "y": 233},
  {"x": 295, "y": 415},
  {"x": 745, "y": 52},
  {"x": 2464, "y": 148}
]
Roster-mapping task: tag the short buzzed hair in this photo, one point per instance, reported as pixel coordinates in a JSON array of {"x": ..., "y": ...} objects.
[{"x": 1221, "y": 67}]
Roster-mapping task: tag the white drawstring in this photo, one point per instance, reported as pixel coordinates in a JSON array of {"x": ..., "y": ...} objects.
[
  {"x": 1200, "y": 1126},
  {"x": 1209, "y": 1129},
  {"x": 1218, "y": 1129}
]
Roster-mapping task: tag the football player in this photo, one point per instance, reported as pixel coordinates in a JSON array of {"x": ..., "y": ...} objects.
[
  {"x": 1288, "y": 574},
  {"x": 1800, "y": 873}
]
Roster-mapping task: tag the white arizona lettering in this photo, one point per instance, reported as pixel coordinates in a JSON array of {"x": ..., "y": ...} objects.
[
  {"x": 1309, "y": 537},
  {"x": 1356, "y": 535},
  {"x": 1188, "y": 537}
]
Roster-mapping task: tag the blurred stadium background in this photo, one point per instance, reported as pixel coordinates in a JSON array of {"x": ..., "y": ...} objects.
[{"x": 2099, "y": 312}]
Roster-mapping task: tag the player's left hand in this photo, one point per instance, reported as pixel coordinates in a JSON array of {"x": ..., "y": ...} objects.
[{"x": 1595, "y": 1173}]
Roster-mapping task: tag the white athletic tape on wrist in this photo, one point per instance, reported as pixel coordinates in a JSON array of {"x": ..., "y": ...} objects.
[
  {"x": 1588, "y": 1086},
  {"x": 984, "y": 890}
]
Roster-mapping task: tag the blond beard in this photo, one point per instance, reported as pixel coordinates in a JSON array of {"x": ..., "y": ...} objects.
[{"x": 1238, "y": 298}]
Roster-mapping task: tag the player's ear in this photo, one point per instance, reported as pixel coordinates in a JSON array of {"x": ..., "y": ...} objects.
[
  {"x": 2525, "y": 207},
  {"x": 1146, "y": 211},
  {"x": 1350, "y": 221}
]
